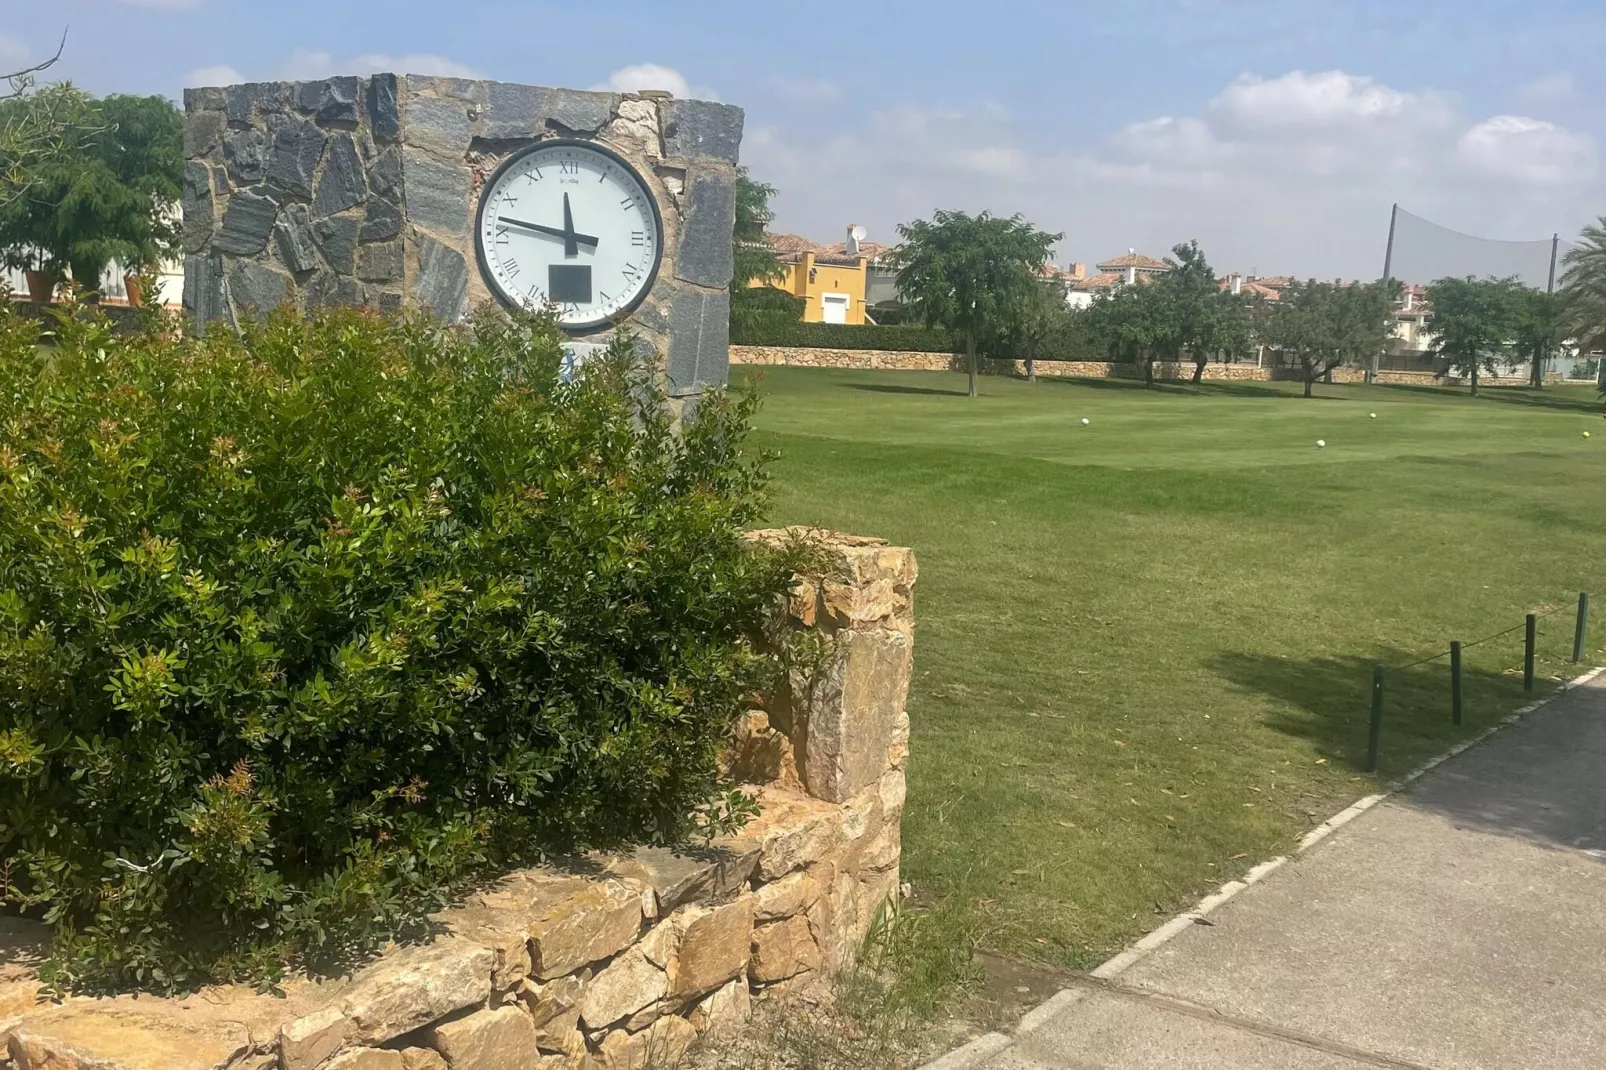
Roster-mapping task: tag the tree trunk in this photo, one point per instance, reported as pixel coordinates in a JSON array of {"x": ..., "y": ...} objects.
[
  {"x": 1148, "y": 370},
  {"x": 1309, "y": 384},
  {"x": 1031, "y": 370},
  {"x": 1474, "y": 379},
  {"x": 1198, "y": 370},
  {"x": 970, "y": 359}
]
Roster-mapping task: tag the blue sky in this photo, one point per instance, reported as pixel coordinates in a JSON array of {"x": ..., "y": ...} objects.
[{"x": 1277, "y": 133}]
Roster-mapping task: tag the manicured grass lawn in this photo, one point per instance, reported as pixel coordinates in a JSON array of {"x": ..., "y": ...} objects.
[{"x": 1144, "y": 646}]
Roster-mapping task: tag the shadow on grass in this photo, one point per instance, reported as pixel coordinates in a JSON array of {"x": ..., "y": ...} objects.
[
  {"x": 890, "y": 388},
  {"x": 1504, "y": 395},
  {"x": 1329, "y": 703}
]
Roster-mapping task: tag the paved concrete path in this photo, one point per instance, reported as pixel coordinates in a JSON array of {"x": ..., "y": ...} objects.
[{"x": 1457, "y": 925}]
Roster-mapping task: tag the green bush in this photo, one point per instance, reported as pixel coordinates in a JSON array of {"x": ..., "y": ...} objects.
[
  {"x": 302, "y": 629},
  {"x": 760, "y": 309},
  {"x": 902, "y": 338}
]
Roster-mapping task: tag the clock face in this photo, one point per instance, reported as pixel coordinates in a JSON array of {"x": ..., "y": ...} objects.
[{"x": 571, "y": 224}]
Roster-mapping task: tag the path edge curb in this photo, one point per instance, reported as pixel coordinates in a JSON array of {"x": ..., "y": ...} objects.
[{"x": 986, "y": 1046}]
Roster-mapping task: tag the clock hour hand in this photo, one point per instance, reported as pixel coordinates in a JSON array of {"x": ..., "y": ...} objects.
[{"x": 556, "y": 232}]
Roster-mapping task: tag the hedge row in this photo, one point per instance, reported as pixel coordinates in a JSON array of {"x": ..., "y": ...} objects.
[{"x": 903, "y": 338}]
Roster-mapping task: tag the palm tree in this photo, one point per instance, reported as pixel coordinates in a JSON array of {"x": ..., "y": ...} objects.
[{"x": 1583, "y": 289}]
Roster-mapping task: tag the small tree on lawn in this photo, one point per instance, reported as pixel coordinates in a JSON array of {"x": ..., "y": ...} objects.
[
  {"x": 1476, "y": 322},
  {"x": 754, "y": 258},
  {"x": 971, "y": 274},
  {"x": 1323, "y": 326},
  {"x": 105, "y": 194},
  {"x": 1134, "y": 325}
]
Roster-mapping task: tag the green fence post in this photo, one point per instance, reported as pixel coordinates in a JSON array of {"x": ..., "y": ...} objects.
[
  {"x": 1583, "y": 627},
  {"x": 1455, "y": 683},
  {"x": 1530, "y": 636},
  {"x": 1375, "y": 737}
]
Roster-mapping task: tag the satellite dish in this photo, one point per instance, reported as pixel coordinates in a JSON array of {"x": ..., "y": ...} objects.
[{"x": 859, "y": 233}]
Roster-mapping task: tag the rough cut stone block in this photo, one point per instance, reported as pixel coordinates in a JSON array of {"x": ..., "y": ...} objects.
[
  {"x": 694, "y": 128},
  {"x": 326, "y": 290},
  {"x": 204, "y": 98},
  {"x": 422, "y": 1059},
  {"x": 623, "y": 987},
  {"x": 594, "y": 923},
  {"x": 247, "y": 222},
  {"x": 727, "y": 1009},
  {"x": 306, "y": 1042},
  {"x": 385, "y": 174},
  {"x": 293, "y": 237},
  {"x": 204, "y": 297},
  {"x": 791, "y": 832},
  {"x": 852, "y": 712},
  {"x": 783, "y": 949},
  {"x": 383, "y": 115},
  {"x": 342, "y": 184},
  {"x": 247, "y": 154},
  {"x": 437, "y": 194},
  {"x": 442, "y": 286},
  {"x": 416, "y": 986},
  {"x": 502, "y": 1039},
  {"x": 550, "y": 1001},
  {"x": 257, "y": 287},
  {"x": 699, "y": 345},
  {"x": 368, "y": 1059},
  {"x": 660, "y": 1045},
  {"x": 336, "y": 238},
  {"x": 714, "y": 948},
  {"x": 382, "y": 221},
  {"x": 200, "y": 216},
  {"x": 297, "y": 148},
  {"x": 578, "y": 112},
  {"x": 683, "y": 875},
  {"x": 203, "y": 132},
  {"x": 514, "y": 111},
  {"x": 792, "y": 894},
  {"x": 115, "y": 1037},
  {"x": 380, "y": 262},
  {"x": 704, "y": 255},
  {"x": 442, "y": 126}
]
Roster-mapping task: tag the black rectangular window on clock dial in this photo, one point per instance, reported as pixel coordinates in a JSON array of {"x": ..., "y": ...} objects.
[{"x": 569, "y": 283}]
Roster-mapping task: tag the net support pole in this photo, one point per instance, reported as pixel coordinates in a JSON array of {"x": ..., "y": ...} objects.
[
  {"x": 1529, "y": 641},
  {"x": 1581, "y": 630},
  {"x": 1541, "y": 357},
  {"x": 1374, "y": 736},
  {"x": 1388, "y": 273},
  {"x": 1455, "y": 683}
]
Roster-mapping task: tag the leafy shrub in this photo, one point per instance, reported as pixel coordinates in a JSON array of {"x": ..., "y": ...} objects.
[
  {"x": 760, "y": 309},
  {"x": 902, "y": 338},
  {"x": 298, "y": 630}
]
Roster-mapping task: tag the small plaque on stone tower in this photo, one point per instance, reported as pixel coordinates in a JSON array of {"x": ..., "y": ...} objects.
[{"x": 445, "y": 193}]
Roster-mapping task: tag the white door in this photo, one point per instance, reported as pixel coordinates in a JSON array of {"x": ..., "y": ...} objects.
[{"x": 834, "y": 307}]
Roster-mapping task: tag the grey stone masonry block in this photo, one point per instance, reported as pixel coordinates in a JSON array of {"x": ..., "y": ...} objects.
[
  {"x": 580, "y": 113},
  {"x": 385, "y": 174},
  {"x": 442, "y": 281},
  {"x": 384, "y": 118},
  {"x": 327, "y": 289},
  {"x": 514, "y": 111},
  {"x": 203, "y": 132},
  {"x": 253, "y": 101},
  {"x": 336, "y": 238},
  {"x": 699, "y": 341},
  {"x": 334, "y": 100},
  {"x": 248, "y": 153},
  {"x": 704, "y": 256},
  {"x": 258, "y": 288},
  {"x": 380, "y": 261},
  {"x": 247, "y": 223},
  {"x": 702, "y": 128},
  {"x": 200, "y": 210},
  {"x": 204, "y": 98},
  {"x": 341, "y": 185},
  {"x": 382, "y": 221},
  {"x": 293, "y": 237},
  {"x": 240, "y": 103},
  {"x": 297, "y": 148},
  {"x": 443, "y": 126},
  {"x": 437, "y": 194},
  {"x": 204, "y": 298}
]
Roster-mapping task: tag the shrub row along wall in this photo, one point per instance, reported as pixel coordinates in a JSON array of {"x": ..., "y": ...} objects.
[
  {"x": 615, "y": 961},
  {"x": 887, "y": 360}
]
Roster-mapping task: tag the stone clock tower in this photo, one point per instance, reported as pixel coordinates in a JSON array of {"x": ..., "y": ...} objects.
[{"x": 369, "y": 191}]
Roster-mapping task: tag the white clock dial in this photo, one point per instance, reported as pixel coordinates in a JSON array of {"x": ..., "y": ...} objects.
[{"x": 570, "y": 224}]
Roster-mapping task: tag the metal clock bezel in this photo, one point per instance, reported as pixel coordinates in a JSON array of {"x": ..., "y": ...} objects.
[{"x": 631, "y": 169}]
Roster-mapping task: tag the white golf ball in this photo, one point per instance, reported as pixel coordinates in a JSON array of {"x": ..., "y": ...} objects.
[
  {"x": 1374, "y": 415},
  {"x": 1321, "y": 443},
  {"x": 1085, "y": 421}
]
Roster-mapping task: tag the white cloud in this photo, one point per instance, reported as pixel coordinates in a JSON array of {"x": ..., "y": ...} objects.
[
  {"x": 1551, "y": 89},
  {"x": 1284, "y": 175},
  {"x": 1529, "y": 151},
  {"x": 222, "y": 74},
  {"x": 640, "y": 76}
]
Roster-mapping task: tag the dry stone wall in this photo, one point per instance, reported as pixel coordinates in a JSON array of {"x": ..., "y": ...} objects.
[
  {"x": 613, "y": 962},
  {"x": 363, "y": 191}
]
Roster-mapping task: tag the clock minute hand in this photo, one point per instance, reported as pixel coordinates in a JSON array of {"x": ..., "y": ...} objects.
[
  {"x": 556, "y": 232},
  {"x": 571, "y": 245}
]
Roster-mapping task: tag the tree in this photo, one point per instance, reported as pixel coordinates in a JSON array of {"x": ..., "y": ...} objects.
[
  {"x": 108, "y": 195},
  {"x": 1323, "y": 326},
  {"x": 30, "y": 135},
  {"x": 1583, "y": 291},
  {"x": 1476, "y": 322},
  {"x": 1539, "y": 333},
  {"x": 1133, "y": 322},
  {"x": 1045, "y": 328},
  {"x": 970, "y": 274},
  {"x": 753, "y": 256}
]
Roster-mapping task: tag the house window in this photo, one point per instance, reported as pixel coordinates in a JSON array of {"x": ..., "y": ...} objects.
[{"x": 834, "y": 308}]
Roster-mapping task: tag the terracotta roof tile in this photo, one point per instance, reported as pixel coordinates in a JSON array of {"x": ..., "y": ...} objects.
[
  {"x": 1137, "y": 260},
  {"x": 791, "y": 244}
]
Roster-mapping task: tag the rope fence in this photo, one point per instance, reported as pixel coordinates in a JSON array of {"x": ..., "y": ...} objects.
[{"x": 1530, "y": 629}]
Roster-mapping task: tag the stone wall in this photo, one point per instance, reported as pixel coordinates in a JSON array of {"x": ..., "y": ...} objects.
[
  {"x": 615, "y": 961},
  {"x": 363, "y": 191}
]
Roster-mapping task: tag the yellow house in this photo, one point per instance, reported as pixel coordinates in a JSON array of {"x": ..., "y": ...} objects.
[{"x": 831, "y": 278}]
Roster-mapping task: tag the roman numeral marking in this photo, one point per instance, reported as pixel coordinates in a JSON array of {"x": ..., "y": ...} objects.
[
  {"x": 501, "y": 235},
  {"x": 533, "y": 293},
  {"x": 566, "y": 167},
  {"x": 632, "y": 273},
  {"x": 511, "y": 266},
  {"x": 628, "y": 202},
  {"x": 638, "y": 238},
  {"x": 604, "y": 295}
]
